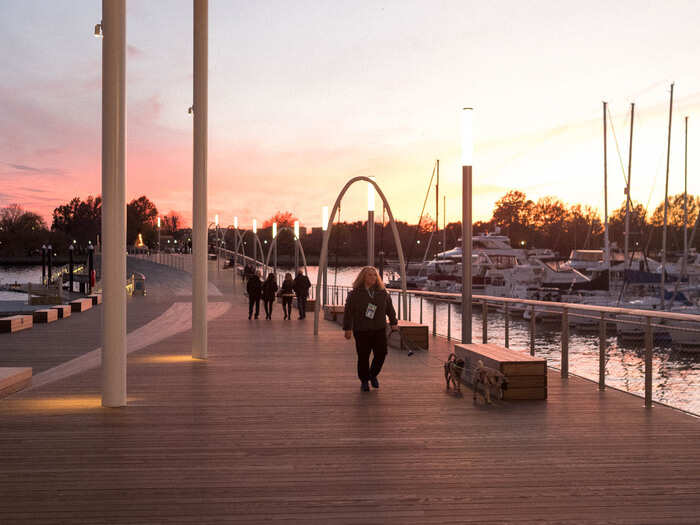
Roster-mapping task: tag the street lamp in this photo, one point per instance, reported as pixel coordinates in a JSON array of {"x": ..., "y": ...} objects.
[
  {"x": 370, "y": 223},
  {"x": 159, "y": 234},
  {"x": 296, "y": 248},
  {"x": 324, "y": 227},
  {"x": 218, "y": 247},
  {"x": 255, "y": 243},
  {"x": 274, "y": 237},
  {"x": 467, "y": 159}
]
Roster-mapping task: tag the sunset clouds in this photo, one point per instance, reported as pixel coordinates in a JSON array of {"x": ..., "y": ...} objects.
[{"x": 304, "y": 96}]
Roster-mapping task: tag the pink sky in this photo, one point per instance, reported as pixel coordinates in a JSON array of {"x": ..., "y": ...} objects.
[{"x": 304, "y": 97}]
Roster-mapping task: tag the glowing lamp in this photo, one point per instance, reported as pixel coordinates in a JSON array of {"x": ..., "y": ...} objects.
[
  {"x": 216, "y": 219},
  {"x": 274, "y": 230},
  {"x": 255, "y": 226},
  {"x": 235, "y": 222},
  {"x": 370, "y": 196},
  {"x": 467, "y": 136},
  {"x": 324, "y": 218},
  {"x": 296, "y": 229},
  {"x": 159, "y": 222}
]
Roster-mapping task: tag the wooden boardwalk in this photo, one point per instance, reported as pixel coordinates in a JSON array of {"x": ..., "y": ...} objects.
[{"x": 273, "y": 428}]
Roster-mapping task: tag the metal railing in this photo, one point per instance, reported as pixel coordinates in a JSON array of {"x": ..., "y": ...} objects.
[
  {"x": 178, "y": 261},
  {"x": 532, "y": 310}
]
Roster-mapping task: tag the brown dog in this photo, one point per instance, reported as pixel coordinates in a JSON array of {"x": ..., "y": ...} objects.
[
  {"x": 453, "y": 372},
  {"x": 486, "y": 378}
]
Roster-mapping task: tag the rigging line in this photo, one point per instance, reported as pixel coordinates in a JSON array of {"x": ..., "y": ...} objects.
[
  {"x": 617, "y": 146},
  {"x": 415, "y": 235}
]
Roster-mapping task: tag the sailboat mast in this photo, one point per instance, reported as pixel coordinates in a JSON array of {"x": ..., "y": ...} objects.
[
  {"x": 605, "y": 182},
  {"x": 444, "y": 222},
  {"x": 627, "y": 192},
  {"x": 663, "y": 242},
  {"x": 685, "y": 205},
  {"x": 437, "y": 200}
]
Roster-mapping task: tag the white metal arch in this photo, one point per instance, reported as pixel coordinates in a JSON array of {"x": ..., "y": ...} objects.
[
  {"x": 257, "y": 239},
  {"x": 273, "y": 245},
  {"x": 326, "y": 235}
]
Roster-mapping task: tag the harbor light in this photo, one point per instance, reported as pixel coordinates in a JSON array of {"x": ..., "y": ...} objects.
[
  {"x": 216, "y": 220},
  {"x": 274, "y": 230},
  {"x": 235, "y": 222},
  {"x": 296, "y": 229},
  {"x": 324, "y": 218},
  {"x": 255, "y": 226},
  {"x": 159, "y": 221}
]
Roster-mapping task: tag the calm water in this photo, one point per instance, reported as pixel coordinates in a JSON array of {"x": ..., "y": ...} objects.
[{"x": 676, "y": 375}]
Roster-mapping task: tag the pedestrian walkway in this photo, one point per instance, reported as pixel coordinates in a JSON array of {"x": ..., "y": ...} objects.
[{"x": 273, "y": 428}]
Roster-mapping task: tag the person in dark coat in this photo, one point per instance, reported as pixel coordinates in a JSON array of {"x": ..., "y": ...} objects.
[
  {"x": 269, "y": 290},
  {"x": 254, "y": 289},
  {"x": 301, "y": 289},
  {"x": 366, "y": 309},
  {"x": 287, "y": 293}
]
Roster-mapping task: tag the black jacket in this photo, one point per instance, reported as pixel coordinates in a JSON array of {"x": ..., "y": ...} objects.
[
  {"x": 254, "y": 287},
  {"x": 356, "y": 308},
  {"x": 302, "y": 285},
  {"x": 287, "y": 287},
  {"x": 268, "y": 289}
]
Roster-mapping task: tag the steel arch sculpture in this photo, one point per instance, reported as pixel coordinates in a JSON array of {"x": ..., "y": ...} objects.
[
  {"x": 273, "y": 245},
  {"x": 323, "y": 262}
]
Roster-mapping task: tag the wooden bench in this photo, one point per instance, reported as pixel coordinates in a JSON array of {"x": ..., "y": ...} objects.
[
  {"x": 80, "y": 305},
  {"x": 96, "y": 298},
  {"x": 416, "y": 334},
  {"x": 63, "y": 310},
  {"x": 15, "y": 323},
  {"x": 13, "y": 379},
  {"x": 527, "y": 375},
  {"x": 334, "y": 312},
  {"x": 49, "y": 315}
]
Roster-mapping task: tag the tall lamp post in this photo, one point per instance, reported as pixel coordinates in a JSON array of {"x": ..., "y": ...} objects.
[
  {"x": 218, "y": 248},
  {"x": 370, "y": 223},
  {"x": 159, "y": 236},
  {"x": 467, "y": 159},
  {"x": 70, "y": 267},
  {"x": 324, "y": 227},
  {"x": 296, "y": 248},
  {"x": 274, "y": 260},
  {"x": 255, "y": 244}
]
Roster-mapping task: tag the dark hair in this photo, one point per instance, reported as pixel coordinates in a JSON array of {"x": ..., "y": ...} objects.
[{"x": 270, "y": 276}]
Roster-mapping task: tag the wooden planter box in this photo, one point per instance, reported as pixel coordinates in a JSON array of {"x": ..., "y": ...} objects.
[
  {"x": 13, "y": 379},
  {"x": 527, "y": 375},
  {"x": 334, "y": 312},
  {"x": 80, "y": 305},
  {"x": 96, "y": 298},
  {"x": 45, "y": 316},
  {"x": 417, "y": 334},
  {"x": 63, "y": 310},
  {"x": 15, "y": 323}
]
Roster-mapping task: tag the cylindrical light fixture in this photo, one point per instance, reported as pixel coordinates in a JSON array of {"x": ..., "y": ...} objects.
[
  {"x": 467, "y": 130},
  {"x": 296, "y": 229},
  {"x": 216, "y": 219},
  {"x": 159, "y": 221},
  {"x": 255, "y": 226},
  {"x": 235, "y": 222},
  {"x": 274, "y": 230},
  {"x": 324, "y": 218}
]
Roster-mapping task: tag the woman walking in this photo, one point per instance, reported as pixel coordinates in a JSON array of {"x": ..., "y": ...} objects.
[
  {"x": 287, "y": 293},
  {"x": 269, "y": 289},
  {"x": 254, "y": 289},
  {"x": 366, "y": 309}
]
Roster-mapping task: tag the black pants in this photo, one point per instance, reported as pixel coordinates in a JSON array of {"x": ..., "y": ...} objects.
[
  {"x": 287, "y": 305},
  {"x": 301, "y": 304},
  {"x": 365, "y": 344},
  {"x": 267, "y": 303},
  {"x": 253, "y": 301}
]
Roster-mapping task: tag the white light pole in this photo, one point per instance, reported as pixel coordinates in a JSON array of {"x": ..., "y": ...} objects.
[
  {"x": 218, "y": 246},
  {"x": 296, "y": 248},
  {"x": 159, "y": 237},
  {"x": 370, "y": 223},
  {"x": 467, "y": 159},
  {"x": 255, "y": 243},
  {"x": 113, "y": 203},
  {"x": 324, "y": 227},
  {"x": 199, "y": 194},
  {"x": 274, "y": 237}
]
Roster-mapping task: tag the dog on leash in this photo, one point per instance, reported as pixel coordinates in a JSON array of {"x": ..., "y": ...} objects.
[
  {"x": 453, "y": 372},
  {"x": 486, "y": 378}
]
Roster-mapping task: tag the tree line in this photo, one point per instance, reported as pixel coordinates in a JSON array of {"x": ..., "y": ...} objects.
[{"x": 545, "y": 223}]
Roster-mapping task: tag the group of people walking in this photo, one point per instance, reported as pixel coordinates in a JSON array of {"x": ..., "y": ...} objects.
[
  {"x": 366, "y": 310},
  {"x": 268, "y": 290}
]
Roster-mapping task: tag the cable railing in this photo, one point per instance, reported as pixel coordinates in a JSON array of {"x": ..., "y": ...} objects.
[{"x": 638, "y": 326}]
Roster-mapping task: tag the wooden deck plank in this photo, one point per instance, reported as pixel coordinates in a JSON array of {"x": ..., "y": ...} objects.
[{"x": 273, "y": 427}]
